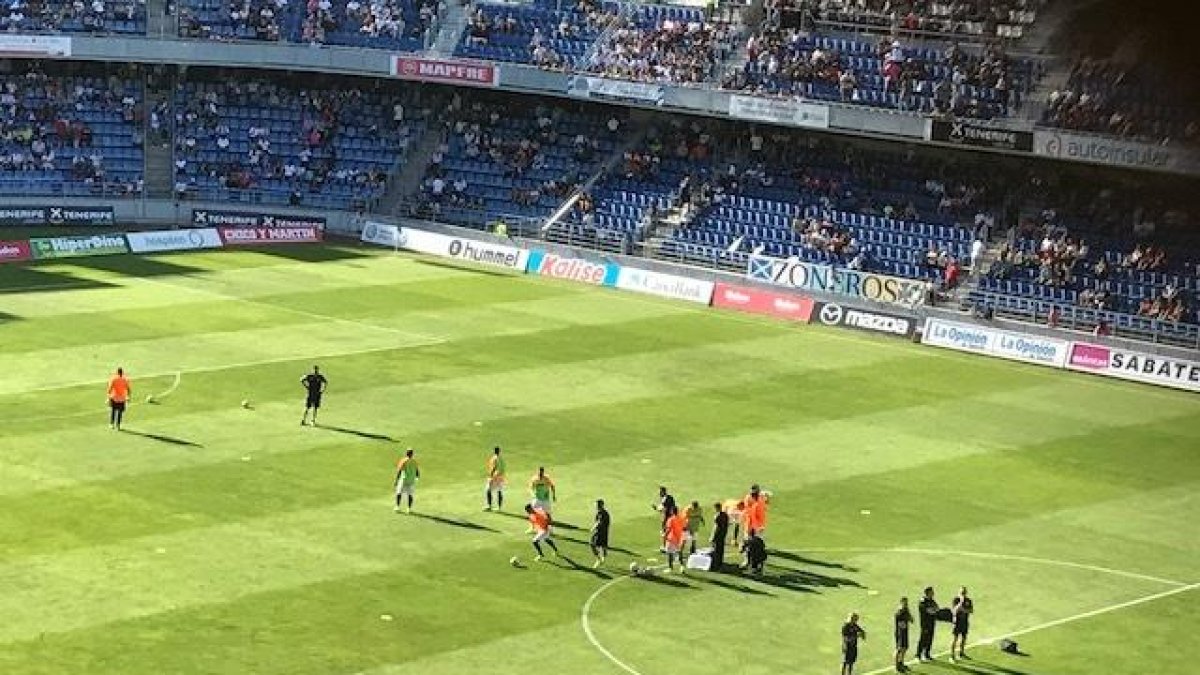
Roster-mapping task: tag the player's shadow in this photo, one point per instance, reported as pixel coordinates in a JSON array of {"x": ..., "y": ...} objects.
[
  {"x": 977, "y": 668},
  {"x": 583, "y": 542},
  {"x": 558, "y": 524},
  {"x": 719, "y": 582},
  {"x": 571, "y": 564},
  {"x": 792, "y": 557},
  {"x": 163, "y": 438},
  {"x": 800, "y": 581},
  {"x": 662, "y": 580},
  {"x": 454, "y": 522},
  {"x": 358, "y": 432}
]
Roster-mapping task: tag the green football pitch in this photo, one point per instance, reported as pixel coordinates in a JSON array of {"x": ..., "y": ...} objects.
[{"x": 212, "y": 538}]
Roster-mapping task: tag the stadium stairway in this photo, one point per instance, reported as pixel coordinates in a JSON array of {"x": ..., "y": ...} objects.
[
  {"x": 452, "y": 21},
  {"x": 403, "y": 187},
  {"x": 159, "y": 157},
  {"x": 159, "y": 21}
]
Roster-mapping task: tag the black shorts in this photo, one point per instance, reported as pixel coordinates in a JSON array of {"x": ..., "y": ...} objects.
[
  {"x": 600, "y": 540},
  {"x": 119, "y": 406},
  {"x": 901, "y": 639},
  {"x": 961, "y": 628},
  {"x": 849, "y": 656},
  {"x": 313, "y": 401}
]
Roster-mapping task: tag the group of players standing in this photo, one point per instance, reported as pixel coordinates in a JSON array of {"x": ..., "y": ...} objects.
[{"x": 929, "y": 613}]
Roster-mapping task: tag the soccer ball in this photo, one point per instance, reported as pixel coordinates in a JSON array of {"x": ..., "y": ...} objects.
[
  {"x": 514, "y": 561},
  {"x": 634, "y": 569},
  {"x": 149, "y": 398},
  {"x": 246, "y": 404}
]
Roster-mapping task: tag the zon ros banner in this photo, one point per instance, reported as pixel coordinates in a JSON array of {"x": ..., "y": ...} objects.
[
  {"x": 572, "y": 269},
  {"x": 247, "y": 236},
  {"x": 966, "y": 337},
  {"x": 459, "y": 248},
  {"x": 77, "y": 247},
  {"x": 665, "y": 285},
  {"x": 174, "y": 240},
  {"x": 446, "y": 71},
  {"x": 14, "y": 251},
  {"x": 766, "y": 303},
  {"x": 1137, "y": 366},
  {"x": 810, "y": 277}
]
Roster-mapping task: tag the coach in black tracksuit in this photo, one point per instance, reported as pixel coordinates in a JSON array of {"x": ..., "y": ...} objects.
[
  {"x": 927, "y": 612},
  {"x": 719, "y": 536}
]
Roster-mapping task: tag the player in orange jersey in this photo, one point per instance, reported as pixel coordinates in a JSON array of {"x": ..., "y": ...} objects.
[
  {"x": 118, "y": 397},
  {"x": 539, "y": 521},
  {"x": 673, "y": 536}
]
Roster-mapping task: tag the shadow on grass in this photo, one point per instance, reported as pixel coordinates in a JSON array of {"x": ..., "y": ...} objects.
[
  {"x": 583, "y": 542},
  {"x": 309, "y": 252},
  {"x": 460, "y": 268},
  {"x": 977, "y": 667},
  {"x": 572, "y": 565},
  {"x": 663, "y": 580},
  {"x": 24, "y": 278},
  {"x": 454, "y": 522},
  {"x": 714, "y": 579},
  {"x": 135, "y": 266},
  {"x": 357, "y": 432},
  {"x": 558, "y": 524},
  {"x": 792, "y": 557},
  {"x": 163, "y": 438}
]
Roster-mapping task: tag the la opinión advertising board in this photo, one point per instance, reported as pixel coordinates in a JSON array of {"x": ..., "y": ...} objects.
[{"x": 965, "y": 337}]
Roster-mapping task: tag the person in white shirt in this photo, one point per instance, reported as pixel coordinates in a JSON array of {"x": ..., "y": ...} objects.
[{"x": 976, "y": 254}]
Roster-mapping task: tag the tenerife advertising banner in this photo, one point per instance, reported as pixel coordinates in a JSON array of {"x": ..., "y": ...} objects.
[
  {"x": 966, "y": 337},
  {"x": 78, "y": 247},
  {"x": 812, "y": 277},
  {"x": 1137, "y": 366},
  {"x": 572, "y": 269},
  {"x": 665, "y": 285},
  {"x": 221, "y": 218},
  {"x": 833, "y": 314},
  {"x": 461, "y": 248},
  {"x": 82, "y": 216},
  {"x": 766, "y": 303},
  {"x": 174, "y": 240}
]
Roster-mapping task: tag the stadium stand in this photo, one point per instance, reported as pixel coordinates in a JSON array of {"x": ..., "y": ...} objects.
[
  {"x": 276, "y": 140},
  {"x": 96, "y": 16},
  {"x": 70, "y": 129},
  {"x": 980, "y": 18},
  {"x": 539, "y": 33},
  {"x": 500, "y": 161},
  {"x": 969, "y": 82},
  {"x": 658, "y": 43},
  {"x": 1128, "y": 101},
  {"x": 381, "y": 24}
]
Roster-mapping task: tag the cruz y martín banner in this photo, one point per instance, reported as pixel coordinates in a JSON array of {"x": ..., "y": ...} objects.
[
  {"x": 381, "y": 235},
  {"x": 966, "y": 337},
  {"x": 77, "y": 247},
  {"x": 174, "y": 240},
  {"x": 248, "y": 236},
  {"x": 460, "y": 248},
  {"x": 1165, "y": 371},
  {"x": 811, "y": 277},
  {"x": 766, "y": 303},
  {"x": 572, "y": 269},
  {"x": 665, "y": 285},
  {"x": 14, "y": 251}
]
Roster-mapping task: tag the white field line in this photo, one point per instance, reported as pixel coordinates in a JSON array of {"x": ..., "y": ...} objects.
[
  {"x": 171, "y": 389},
  {"x": 1179, "y": 587},
  {"x": 1058, "y": 622},
  {"x": 242, "y": 364}
]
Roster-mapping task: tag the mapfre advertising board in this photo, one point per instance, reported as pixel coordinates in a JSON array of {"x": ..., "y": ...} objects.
[
  {"x": 468, "y": 250},
  {"x": 1124, "y": 364},
  {"x": 445, "y": 71},
  {"x": 966, "y": 337}
]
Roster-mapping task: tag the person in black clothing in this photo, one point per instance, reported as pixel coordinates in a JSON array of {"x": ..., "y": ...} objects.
[
  {"x": 851, "y": 634},
  {"x": 755, "y": 551},
  {"x": 314, "y": 383},
  {"x": 903, "y": 621},
  {"x": 961, "y": 609},
  {"x": 719, "y": 535},
  {"x": 927, "y": 611},
  {"x": 599, "y": 541},
  {"x": 666, "y": 505}
]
